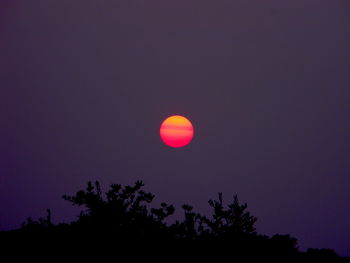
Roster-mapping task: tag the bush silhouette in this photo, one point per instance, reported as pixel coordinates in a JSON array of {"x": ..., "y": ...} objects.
[{"x": 123, "y": 215}]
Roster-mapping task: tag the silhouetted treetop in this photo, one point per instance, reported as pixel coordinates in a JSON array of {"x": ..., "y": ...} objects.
[
  {"x": 231, "y": 221},
  {"x": 124, "y": 213}
]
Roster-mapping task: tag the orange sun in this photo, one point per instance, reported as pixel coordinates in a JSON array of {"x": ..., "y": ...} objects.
[{"x": 176, "y": 131}]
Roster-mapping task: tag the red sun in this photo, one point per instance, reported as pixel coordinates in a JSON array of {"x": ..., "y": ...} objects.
[{"x": 176, "y": 131}]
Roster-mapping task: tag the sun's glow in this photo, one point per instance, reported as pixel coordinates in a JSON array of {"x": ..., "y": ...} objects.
[{"x": 176, "y": 131}]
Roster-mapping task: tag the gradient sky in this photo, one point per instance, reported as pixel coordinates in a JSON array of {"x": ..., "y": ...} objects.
[{"x": 85, "y": 85}]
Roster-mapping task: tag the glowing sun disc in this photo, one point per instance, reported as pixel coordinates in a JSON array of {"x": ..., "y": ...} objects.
[{"x": 176, "y": 131}]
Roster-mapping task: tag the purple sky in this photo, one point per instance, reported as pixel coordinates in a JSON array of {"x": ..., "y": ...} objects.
[{"x": 85, "y": 85}]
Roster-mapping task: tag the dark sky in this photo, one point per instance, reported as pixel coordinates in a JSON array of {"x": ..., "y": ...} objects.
[{"x": 85, "y": 85}]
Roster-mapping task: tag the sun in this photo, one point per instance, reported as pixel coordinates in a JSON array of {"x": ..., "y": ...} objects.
[{"x": 176, "y": 131}]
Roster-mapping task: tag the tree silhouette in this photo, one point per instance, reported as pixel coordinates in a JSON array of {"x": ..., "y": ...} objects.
[
  {"x": 123, "y": 214},
  {"x": 234, "y": 220},
  {"x": 123, "y": 211}
]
